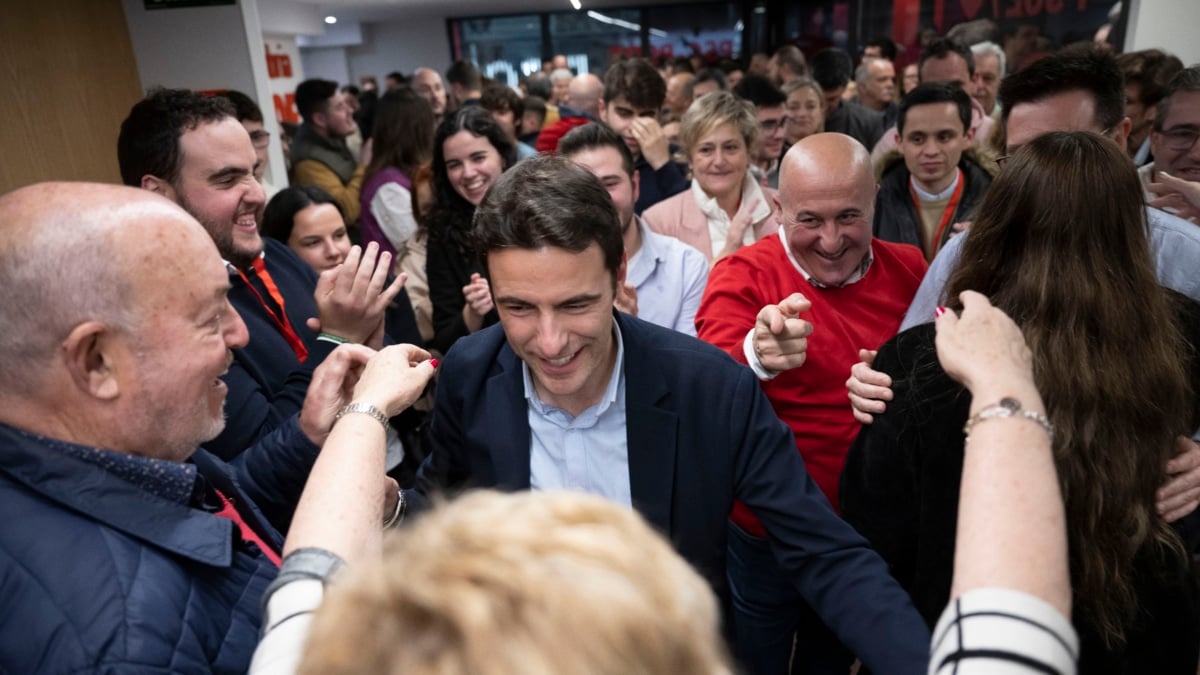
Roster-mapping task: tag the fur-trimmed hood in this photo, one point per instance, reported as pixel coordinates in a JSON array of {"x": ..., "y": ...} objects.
[{"x": 975, "y": 154}]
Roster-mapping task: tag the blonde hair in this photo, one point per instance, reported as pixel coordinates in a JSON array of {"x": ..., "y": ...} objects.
[
  {"x": 535, "y": 583},
  {"x": 711, "y": 111}
]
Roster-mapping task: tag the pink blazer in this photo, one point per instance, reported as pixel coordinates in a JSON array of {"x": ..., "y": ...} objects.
[{"x": 681, "y": 217}]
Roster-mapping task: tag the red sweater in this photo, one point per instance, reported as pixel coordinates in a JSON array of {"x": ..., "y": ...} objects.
[{"x": 811, "y": 399}]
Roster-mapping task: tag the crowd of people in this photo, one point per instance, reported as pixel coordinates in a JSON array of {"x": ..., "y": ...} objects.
[{"x": 800, "y": 366}]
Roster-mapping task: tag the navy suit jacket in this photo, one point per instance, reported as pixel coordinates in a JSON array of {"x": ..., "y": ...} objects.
[{"x": 701, "y": 434}]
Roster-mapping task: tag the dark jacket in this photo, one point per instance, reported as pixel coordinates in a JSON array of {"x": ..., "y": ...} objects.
[
  {"x": 863, "y": 124},
  {"x": 900, "y": 489},
  {"x": 896, "y": 217},
  {"x": 656, "y": 185},
  {"x": 99, "y": 575},
  {"x": 689, "y": 459}
]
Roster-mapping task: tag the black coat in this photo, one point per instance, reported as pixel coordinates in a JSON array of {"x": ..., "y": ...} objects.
[{"x": 896, "y": 217}]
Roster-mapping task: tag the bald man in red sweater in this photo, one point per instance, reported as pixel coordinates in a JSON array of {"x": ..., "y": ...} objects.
[{"x": 797, "y": 308}]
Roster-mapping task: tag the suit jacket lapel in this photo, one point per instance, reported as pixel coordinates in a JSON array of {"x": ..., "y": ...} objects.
[
  {"x": 651, "y": 430},
  {"x": 507, "y": 416}
]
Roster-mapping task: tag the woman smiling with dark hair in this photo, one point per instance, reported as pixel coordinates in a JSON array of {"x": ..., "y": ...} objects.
[
  {"x": 1061, "y": 246},
  {"x": 470, "y": 152}
]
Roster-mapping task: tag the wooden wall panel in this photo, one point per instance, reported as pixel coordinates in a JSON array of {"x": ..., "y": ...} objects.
[{"x": 69, "y": 78}]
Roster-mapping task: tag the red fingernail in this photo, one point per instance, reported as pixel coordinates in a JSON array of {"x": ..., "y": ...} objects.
[
  {"x": 939, "y": 311},
  {"x": 433, "y": 362}
]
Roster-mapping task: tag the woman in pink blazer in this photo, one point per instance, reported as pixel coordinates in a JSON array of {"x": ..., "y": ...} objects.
[{"x": 725, "y": 208}]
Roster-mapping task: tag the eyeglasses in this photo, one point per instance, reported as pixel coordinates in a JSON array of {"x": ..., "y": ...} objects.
[
  {"x": 1005, "y": 157},
  {"x": 1180, "y": 139},
  {"x": 260, "y": 138},
  {"x": 770, "y": 126}
]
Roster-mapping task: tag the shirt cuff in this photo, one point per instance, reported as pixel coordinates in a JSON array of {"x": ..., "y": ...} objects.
[{"x": 752, "y": 359}]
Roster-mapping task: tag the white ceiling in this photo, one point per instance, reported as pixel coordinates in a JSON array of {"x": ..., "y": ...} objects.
[{"x": 383, "y": 10}]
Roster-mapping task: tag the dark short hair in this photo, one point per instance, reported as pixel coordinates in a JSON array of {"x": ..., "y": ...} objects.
[
  {"x": 538, "y": 84},
  {"x": 312, "y": 96},
  {"x": 244, "y": 107},
  {"x": 887, "y": 48},
  {"x": 760, "y": 91},
  {"x": 549, "y": 201},
  {"x": 711, "y": 75},
  {"x": 536, "y": 105},
  {"x": 942, "y": 48},
  {"x": 1086, "y": 69},
  {"x": 148, "y": 144},
  {"x": 935, "y": 92},
  {"x": 501, "y": 97},
  {"x": 1186, "y": 80},
  {"x": 397, "y": 76},
  {"x": 831, "y": 68},
  {"x": 279, "y": 216},
  {"x": 593, "y": 136},
  {"x": 464, "y": 74},
  {"x": 1151, "y": 70},
  {"x": 793, "y": 58},
  {"x": 636, "y": 81}
]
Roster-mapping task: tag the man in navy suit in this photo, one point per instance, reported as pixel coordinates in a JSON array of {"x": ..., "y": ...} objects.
[{"x": 567, "y": 394}]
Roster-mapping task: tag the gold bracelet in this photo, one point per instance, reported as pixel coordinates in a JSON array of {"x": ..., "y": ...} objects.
[{"x": 1008, "y": 407}]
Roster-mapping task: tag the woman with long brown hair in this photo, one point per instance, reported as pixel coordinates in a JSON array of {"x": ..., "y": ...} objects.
[
  {"x": 402, "y": 143},
  {"x": 1061, "y": 246}
]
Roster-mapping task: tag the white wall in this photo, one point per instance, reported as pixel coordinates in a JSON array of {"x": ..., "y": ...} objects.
[
  {"x": 206, "y": 48},
  {"x": 403, "y": 45},
  {"x": 1169, "y": 25},
  {"x": 326, "y": 63}
]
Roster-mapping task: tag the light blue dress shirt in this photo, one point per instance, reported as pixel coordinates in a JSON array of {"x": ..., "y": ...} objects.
[
  {"x": 588, "y": 453},
  {"x": 669, "y": 277}
]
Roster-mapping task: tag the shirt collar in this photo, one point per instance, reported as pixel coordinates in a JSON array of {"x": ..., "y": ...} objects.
[
  {"x": 854, "y": 278},
  {"x": 170, "y": 480},
  {"x": 610, "y": 392},
  {"x": 641, "y": 265},
  {"x": 750, "y": 192},
  {"x": 940, "y": 196}
]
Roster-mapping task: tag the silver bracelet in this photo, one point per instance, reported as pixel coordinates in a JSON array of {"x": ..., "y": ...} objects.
[
  {"x": 1008, "y": 407},
  {"x": 364, "y": 408},
  {"x": 398, "y": 514}
]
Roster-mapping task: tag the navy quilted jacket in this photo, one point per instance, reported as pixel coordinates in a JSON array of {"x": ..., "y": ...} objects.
[{"x": 97, "y": 575}]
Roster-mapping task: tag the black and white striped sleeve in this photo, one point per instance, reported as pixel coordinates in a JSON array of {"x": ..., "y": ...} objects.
[{"x": 998, "y": 631}]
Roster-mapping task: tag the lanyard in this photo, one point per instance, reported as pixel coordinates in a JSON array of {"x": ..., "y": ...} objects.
[
  {"x": 228, "y": 510},
  {"x": 947, "y": 215},
  {"x": 280, "y": 320}
]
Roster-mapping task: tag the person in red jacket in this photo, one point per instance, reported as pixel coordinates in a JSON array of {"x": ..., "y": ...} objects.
[{"x": 797, "y": 308}]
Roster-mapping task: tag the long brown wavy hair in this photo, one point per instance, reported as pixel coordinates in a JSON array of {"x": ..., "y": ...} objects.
[{"x": 1061, "y": 245}]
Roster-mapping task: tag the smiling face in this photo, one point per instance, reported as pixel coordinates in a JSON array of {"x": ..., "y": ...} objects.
[
  {"x": 557, "y": 311},
  {"x": 319, "y": 237},
  {"x": 216, "y": 185},
  {"x": 720, "y": 160},
  {"x": 826, "y": 213},
  {"x": 1171, "y": 145},
  {"x": 605, "y": 163},
  {"x": 805, "y": 113},
  {"x": 472, "y": 165},
  {"x": 181, "y": 346},
  {"x": 932, "y": 144}
]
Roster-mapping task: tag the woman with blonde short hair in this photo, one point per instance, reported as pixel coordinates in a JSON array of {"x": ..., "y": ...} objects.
[{"x": 726, "y": 208}]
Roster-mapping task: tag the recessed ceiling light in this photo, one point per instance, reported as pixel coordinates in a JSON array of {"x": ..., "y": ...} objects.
[
  {"x": 575, "y": 4},
  {"x": 331, "y": 19}
]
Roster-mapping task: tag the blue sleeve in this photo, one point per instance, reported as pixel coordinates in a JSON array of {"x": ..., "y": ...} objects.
[
  {"x": 695, "y": 278},
  {"x": 273, "y": 470},
  {"x": 929, "y": 294},
  {"x": 831, "y": 565},
  {"x": 252, "y": 411}
]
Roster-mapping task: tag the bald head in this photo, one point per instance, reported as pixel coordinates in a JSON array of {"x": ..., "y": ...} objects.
[
  {"x": 82, "y": 265},
  {"x": 827, "y": 202},
  {"x": 831, "y": 154},
  {"x": 584, "y": 93}
]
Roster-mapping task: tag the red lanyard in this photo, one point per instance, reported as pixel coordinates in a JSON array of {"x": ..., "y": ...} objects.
[
  {"x": 228, "y": 510},
  {"x": 947, "y": 215},
  {"x": 280, "y": 320}
]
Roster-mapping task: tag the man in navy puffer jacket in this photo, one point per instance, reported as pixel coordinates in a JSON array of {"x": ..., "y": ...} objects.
[{"x": 124, "y": 548}]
